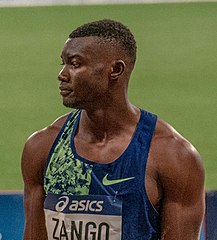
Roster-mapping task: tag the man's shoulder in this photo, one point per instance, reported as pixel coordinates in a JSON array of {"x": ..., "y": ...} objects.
[
  {"x": 170, "y": 141},
  {"x": 177, "y": 165},
  {"x": 37, "y": 148},
  {"x": 46, "y": 136},
  {"x": 172, "y": 152}
]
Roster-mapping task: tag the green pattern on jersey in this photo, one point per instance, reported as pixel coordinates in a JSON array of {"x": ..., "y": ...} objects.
[{"x": 65, "y": 174}]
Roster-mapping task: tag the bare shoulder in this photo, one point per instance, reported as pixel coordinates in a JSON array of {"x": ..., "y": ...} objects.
[
  {"x": 177, "y": 167},
  {"x": 177, "y": 162},
  {"x": 38, "y": 145},
  {"x": 174, "y": 146},
  {"x": 46, "y": 136}
]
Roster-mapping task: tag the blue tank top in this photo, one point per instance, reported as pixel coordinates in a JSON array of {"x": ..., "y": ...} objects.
[{"x": 87, "y": 200}]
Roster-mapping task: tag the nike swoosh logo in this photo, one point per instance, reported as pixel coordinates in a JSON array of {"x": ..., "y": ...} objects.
[{"x": 107, "y": 182}]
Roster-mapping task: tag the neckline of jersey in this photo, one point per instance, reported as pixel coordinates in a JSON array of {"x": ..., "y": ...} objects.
[{"x": 118, "y": 159}]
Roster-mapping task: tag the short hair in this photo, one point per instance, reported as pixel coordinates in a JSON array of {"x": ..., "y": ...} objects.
[{"x": 109, "y": 30}]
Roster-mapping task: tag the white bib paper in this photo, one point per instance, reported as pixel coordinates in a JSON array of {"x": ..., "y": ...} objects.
[{"x": 83, "y": 217}]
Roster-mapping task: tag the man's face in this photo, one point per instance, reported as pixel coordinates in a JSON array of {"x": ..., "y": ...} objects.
[{"x": 84, "y": 78}]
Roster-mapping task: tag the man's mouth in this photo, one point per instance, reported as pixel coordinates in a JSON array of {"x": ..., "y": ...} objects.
[{"x": 64, "y": 91}]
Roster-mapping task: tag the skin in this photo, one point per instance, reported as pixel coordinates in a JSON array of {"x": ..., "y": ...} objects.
[{"x": 96, "y": 81}]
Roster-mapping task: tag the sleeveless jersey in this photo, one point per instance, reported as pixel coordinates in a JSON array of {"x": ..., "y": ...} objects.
[{"x": 86, "y": 200}]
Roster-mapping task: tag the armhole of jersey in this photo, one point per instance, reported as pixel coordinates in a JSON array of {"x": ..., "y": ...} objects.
[
  {"x": 152, "y": 130},
  {"x": 56, "y": 141}
]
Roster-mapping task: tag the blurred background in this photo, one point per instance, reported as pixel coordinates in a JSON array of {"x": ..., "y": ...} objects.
[
  {"x": 175, "y": 74},
  {"x": 175, "y": 77}
]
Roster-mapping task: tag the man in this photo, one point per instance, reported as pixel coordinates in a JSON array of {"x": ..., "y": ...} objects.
[{"x": 108, "y": 170}]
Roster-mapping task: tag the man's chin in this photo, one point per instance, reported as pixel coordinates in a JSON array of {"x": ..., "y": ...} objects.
[
  {"x": 68, "y": 105},
  {"x": 78, "y": 104},
  {"x": 71, "y": 105}
]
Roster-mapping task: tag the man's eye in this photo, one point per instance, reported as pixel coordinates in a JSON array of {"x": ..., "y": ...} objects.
[{"x": 75, "y": 64}]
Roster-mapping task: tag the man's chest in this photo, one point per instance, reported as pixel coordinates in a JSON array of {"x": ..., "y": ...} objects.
[{"x": 103, "y": 151}]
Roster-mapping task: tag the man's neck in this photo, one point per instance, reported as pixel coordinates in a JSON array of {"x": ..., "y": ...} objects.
[{"x": 104, "y": 124}]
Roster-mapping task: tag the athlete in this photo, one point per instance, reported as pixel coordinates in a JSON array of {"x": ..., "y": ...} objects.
[{"x": 108, "y": 170}]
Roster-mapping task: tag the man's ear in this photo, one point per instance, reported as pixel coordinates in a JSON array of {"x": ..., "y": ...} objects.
[{"x": 117, "y": 69}]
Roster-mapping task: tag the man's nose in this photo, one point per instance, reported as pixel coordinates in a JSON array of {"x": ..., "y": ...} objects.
[{"x": 63, "y": 75}]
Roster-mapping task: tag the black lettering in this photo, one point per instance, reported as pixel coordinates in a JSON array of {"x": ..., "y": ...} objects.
[
  {"x": 78, "y": 232},
  {"x": 55, "y": 228},
  {"x": 63, "y": 233},
  {"x": 91, "y": 233},
  {"x": 106, "y": 229}
]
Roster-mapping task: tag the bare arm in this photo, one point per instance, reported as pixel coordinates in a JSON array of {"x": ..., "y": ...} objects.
[
  {"x": 183, "y": 193},
  {"x": 34, "y": 158},
  {"x": 175, "y": 181}
]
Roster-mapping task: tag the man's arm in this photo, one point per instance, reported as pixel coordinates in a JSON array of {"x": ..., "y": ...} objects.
[
  {"x": 33, "y": 161},
  {"x": 182, "y": 179}
]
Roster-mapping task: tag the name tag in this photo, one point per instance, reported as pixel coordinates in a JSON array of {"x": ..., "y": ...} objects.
[{"x": 83, "y": 217}]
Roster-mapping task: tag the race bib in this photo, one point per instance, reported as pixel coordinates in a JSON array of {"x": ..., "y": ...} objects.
[{"x": 83, "y": 217}]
